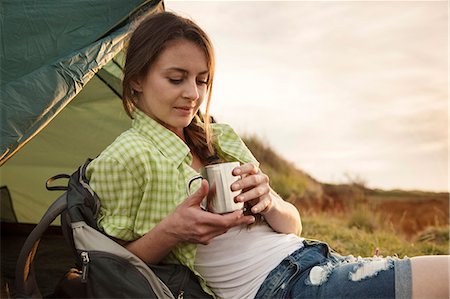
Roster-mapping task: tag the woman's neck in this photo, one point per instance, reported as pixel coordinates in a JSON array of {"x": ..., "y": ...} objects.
[{"x": 196, "y": 162}]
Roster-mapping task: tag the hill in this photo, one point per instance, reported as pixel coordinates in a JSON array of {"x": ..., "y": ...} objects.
[
  {"x": 405, "y": 222},
  {"x": 292, "y": 184}
]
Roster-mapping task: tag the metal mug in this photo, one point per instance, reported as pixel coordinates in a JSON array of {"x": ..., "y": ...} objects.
[{"x": 220, "y": 199}]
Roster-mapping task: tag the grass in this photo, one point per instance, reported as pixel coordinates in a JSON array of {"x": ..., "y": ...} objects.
[
  {"x": 341, "y": 233},
  {"x": 352, "y": 219}
]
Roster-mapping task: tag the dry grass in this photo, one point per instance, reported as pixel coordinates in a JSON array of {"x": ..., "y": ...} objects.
[
  {"x": 342, "y": 235},
  {"x": 356, "y": 220}
]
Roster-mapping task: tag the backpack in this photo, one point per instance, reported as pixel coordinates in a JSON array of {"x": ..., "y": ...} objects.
[{"x": 105, "y": 268}]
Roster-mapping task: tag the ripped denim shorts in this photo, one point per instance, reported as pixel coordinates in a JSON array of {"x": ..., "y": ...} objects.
[{"x": 313, "y": 271}]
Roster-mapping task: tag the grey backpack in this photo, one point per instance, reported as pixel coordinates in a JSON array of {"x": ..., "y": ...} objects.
[{"x": 105, "y": 268}]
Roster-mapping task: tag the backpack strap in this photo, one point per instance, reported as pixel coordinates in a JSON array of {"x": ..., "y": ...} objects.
[
  {"x": 54, "y": 178},
  {"x": 25, "y": 277}
]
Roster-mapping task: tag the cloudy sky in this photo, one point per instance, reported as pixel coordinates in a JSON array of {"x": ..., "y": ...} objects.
[{"x": 340, "y": 88}]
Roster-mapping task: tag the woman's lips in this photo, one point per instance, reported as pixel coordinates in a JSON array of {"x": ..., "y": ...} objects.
[{"x": 186, "y": 110}]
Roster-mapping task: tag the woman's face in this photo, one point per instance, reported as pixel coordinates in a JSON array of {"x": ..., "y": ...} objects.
[{"x": 175, "y": 86}]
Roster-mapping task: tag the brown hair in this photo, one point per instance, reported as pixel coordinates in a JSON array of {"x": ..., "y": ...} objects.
[{"x": 147, "y": 42}]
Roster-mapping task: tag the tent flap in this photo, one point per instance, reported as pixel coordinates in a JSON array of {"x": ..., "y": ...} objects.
[
  {"x": 61, "y": 65},
  {"x": 31, "y": 101},
  {"x": 50, "y": 88}
]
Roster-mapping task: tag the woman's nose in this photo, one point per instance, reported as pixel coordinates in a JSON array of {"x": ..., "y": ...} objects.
[{"x": 191, "y": 91}]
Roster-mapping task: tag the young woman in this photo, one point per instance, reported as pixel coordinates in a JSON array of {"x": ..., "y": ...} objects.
[{"x": 141, "y": 181}]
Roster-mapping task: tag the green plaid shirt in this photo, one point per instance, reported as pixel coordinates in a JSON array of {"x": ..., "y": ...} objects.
[{"x": 142, "y": 177}]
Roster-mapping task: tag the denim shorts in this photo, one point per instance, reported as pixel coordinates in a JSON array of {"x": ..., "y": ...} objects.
[{"x": 313, "y": 271}]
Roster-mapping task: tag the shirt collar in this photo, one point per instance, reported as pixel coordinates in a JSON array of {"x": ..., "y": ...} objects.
[{"x": 167, "y": 142}]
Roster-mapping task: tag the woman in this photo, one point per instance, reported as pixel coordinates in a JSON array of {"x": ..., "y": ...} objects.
[{"x": 141, "y": 181}]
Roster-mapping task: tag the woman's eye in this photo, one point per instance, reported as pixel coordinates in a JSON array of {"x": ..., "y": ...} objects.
[
  {"x": 202, "y": 82},
  {"x": 175, "y": 81}
]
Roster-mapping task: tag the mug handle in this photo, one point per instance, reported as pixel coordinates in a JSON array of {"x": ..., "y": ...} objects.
[
  {"x": 191, "y": 180},
  {"x": 203, "y": 204}
]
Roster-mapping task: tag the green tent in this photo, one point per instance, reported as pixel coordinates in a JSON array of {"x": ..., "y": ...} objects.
[
  {"x": 60, "y": 71},
  {"x": 60, "y": 64}
]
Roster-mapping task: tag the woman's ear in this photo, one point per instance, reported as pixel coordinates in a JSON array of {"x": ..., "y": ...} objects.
[{"x": 136, "y": 85}]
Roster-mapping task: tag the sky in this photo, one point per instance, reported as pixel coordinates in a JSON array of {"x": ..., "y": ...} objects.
[{"x": 345, "y": 90}]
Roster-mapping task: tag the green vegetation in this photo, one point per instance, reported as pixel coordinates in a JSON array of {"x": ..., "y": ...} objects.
[
  {"x": 404, "y": 193},
  {"x": 290, "y": 182},
  {"x": 340, "y": 233},
  {"x": 350, "y": 217}
]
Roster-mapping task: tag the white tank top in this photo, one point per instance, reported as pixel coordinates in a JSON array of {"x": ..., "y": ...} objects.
[{"x": 236, "y": 263}]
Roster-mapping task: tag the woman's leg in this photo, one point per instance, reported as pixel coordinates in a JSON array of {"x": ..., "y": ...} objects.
[{"x": 430, "y": 276}]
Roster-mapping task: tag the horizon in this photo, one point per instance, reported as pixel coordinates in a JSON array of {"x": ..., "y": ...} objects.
[{"x": 362, "y": 94}]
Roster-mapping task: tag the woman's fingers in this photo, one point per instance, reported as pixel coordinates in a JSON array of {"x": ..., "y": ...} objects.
[
  {"x": 250, "y": 181},
  {"x": 264, "y": 203},
  {"x": 253, "y": 193},
  {"x": 214, "y": 225},
  {"x": 247, "y": 168},
  {"x": 229, "y": 220},
  {"x": 254, "y": 185},
  {"x": 192, "y": 224}
]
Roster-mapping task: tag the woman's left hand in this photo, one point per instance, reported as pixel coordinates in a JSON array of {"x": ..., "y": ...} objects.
[
  {"x": 281, "y": 215},
  {"x": 255, "y": 188}
]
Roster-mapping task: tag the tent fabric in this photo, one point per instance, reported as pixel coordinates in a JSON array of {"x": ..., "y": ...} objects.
[
  {"x": 6, "y": 208},
  {"x": 61, "y": 67},
  {"x": 50, "y": 51},
  {"x": 60, "y": 71}
]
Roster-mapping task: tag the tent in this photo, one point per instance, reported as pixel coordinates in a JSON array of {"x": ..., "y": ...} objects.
[
  {"x": 60, "y": 90},
  {"x": 60, "y": 71}
]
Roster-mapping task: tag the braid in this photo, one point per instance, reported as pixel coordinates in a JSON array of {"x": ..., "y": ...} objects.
[{"x": 199, "y": 140}]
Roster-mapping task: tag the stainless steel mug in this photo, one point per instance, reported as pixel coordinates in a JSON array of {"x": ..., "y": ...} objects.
[{"x": 220, "y": 199}]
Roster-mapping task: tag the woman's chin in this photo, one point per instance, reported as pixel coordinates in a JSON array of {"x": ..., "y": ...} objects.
[{"x": 180, "y": 124}]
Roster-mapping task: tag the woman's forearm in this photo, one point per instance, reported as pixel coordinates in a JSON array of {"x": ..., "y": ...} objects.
[
  {"x": 155, "y": 245},
  {"x": 283, "y": 216}
]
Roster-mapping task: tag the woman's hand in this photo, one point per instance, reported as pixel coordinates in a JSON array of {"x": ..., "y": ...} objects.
[
  {"x": 189, "y": 223},
  {"x": 282, "y": 216},
  {"x": 255, "y": 188}
]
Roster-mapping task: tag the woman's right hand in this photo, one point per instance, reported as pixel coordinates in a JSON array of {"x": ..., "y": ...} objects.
[{"x": 189, "y": 223}]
